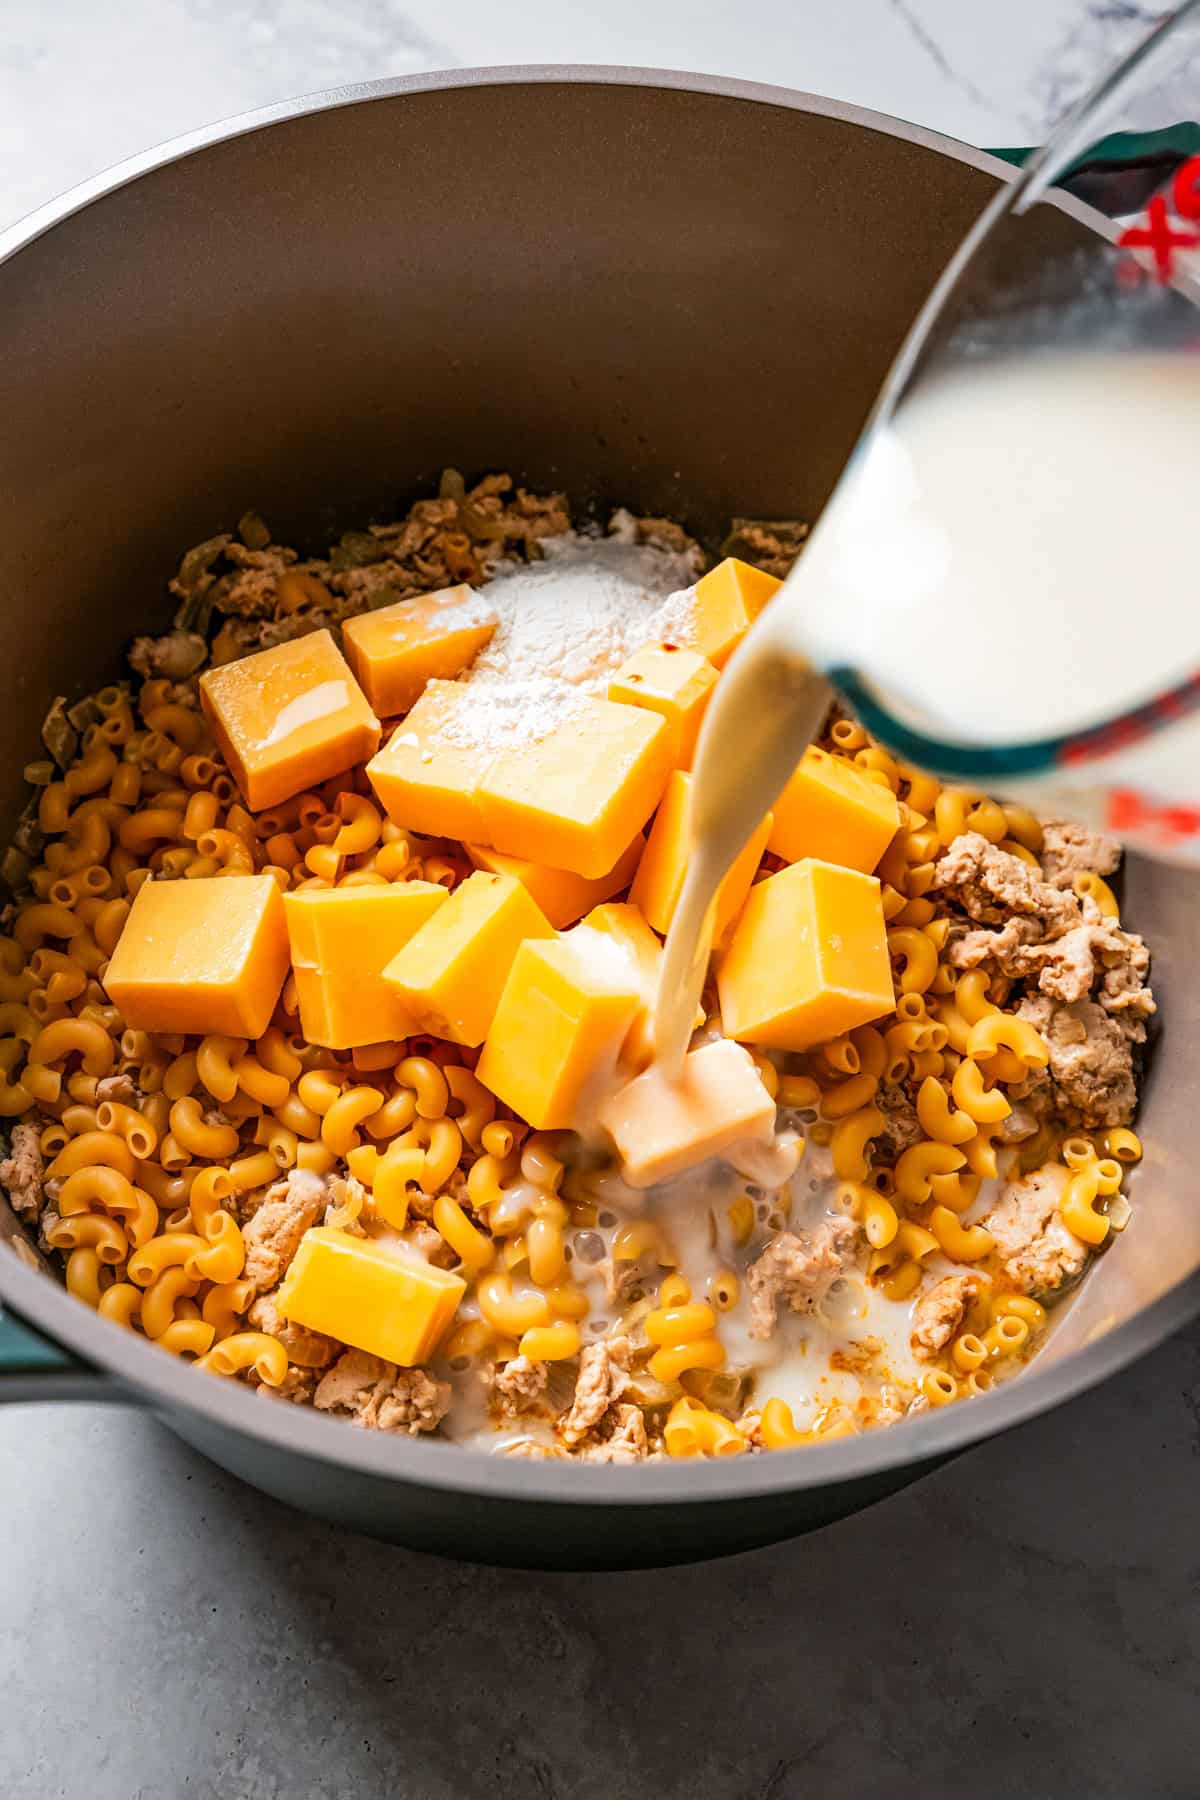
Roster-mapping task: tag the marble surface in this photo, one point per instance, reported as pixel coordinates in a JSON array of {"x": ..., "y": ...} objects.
[{"x": 1023, "y": 1621}]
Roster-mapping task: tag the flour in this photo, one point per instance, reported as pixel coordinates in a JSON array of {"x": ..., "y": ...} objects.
[{"x": 579, "y": 613}]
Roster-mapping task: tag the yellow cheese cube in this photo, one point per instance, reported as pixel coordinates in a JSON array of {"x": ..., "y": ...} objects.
[
  {"x": 663, "y": 1127},
  {"x": 627, "y": 928},
  {"x": 450, "y": 975},
  {"x": 565, "y": 1009},
  {"x": 397, "y": 649},
  {"x": 288, "y": 718},
  {"x": 563, "y": 897},
  {"x": 673, "y": 681},
  {"x": 575, "y": 798},
  {"x": 427, "y": 775},
  {"x": 370, "y": 1295},
  {"x": 808, "y": 959},
  {"x": 725, "y": 603},
  {"x": 829, "y": 809},
  {"x": 341, "y": 939},
  {"x": 659, "y": 880},
  {"x": 204, "y": 955}
]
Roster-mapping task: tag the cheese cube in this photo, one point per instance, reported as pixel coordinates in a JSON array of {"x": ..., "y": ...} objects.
[
  {"x": 724, "y": 605},
  {"x": 659, "y": 879},
  {"x": 288, "y": 718},
  {"x": 829, "y": 809},
  {"x": 427, "y": 775},
  {"x": 450, "y": 975},
  {"x": 341, "y": 939},
  {"x": 369, "y": 1295},
  {"x": 663, "y": 1127},
  {"x": 204, "y": 955},
  {"x": 627, "y": 928},
  {"x": 808, "y": 959},
  {"x": 575, "y": 798},
  {"x": 557, "y": 1033},
  {"x": 563, "y": 897},
  {"x": 673, "y": 681},
  {"x": 397, "y": 649}
]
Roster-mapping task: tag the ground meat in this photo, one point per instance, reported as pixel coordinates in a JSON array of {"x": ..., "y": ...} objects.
[
  {"x": 518, "y": 1383},
  {"x": 901, "y": 1127},
  {"x": 939, "y": 1313},
  {"x": 530, "y": 1450},
  {"x": 298, "y": 1385},
  {"x": 1069, "y": 850},
  {"x": 799, "y": 1267},
  {"x": 1021, "y": 1123},
  {"x": 118, "y": 1089},
  {"x": 1089, "y": 1080},
  {"x": 381, "y": 1397},
  {"x": 626, "y": 1442},
  {"x": 770, "y": 544},
  {"x": 1035, "y": 1247},
  {"x": 307, "y": 1349},
  {"x": 969, "y": 947},
  {"x": 22, "y": 1170},
  {"x": 991, "y": 886},
  {"x": 172, "y": 658},
  {"x": 272, "y": 1233},
  {"x": 603, "y": 1373}
]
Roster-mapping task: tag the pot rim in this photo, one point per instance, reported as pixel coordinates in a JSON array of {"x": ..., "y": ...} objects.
[{"x": 168, "y": 1383}]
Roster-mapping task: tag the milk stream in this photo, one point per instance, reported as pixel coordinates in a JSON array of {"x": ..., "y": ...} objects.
[{"x": 1008, "y": 559}]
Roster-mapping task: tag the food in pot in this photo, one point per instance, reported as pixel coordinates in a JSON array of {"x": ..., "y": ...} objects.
[{"x": 326, "y": 999}]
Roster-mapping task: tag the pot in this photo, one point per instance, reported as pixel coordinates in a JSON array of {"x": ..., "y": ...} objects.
[{"x": 662, "y": 290}]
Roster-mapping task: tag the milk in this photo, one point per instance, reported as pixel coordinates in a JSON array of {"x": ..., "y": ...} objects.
[{"x": 1010, "y": 560}]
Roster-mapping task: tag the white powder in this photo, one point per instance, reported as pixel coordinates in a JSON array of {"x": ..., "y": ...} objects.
[
  {"x": 563, "y": 626},
  {"x": 578, "y": 614}
]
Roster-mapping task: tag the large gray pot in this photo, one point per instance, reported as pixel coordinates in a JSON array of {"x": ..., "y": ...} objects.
[{"x": 663, "y": 290}]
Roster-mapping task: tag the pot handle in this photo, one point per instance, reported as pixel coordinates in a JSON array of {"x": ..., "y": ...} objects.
[{"x": 33, "y": 1367}]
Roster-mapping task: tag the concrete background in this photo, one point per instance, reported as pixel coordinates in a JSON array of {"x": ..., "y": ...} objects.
[{"x": 1023, "y": 1622}]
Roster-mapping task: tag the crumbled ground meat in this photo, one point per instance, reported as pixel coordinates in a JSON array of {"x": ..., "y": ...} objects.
[
  {"x": 530, "y": 1450},
  {"x": 1063, "y": 945},
  {"x": 939, "y": 1313},
  {"x": 1035, "y": 1248},
  {"x": 1021, "y": 1123},
  {"x": 117, "y": 1089},
  {"x": 901, "y": 1127},
  {"x": 272, "y": 1233},
  {"x": 22, "y": 1170},
  {"x": 991, "y": 887},
  {"x": 771, "y": 544},
  {"x": 1089, "y": 1080},
  {"x": 799, "y": 1268},
  {"x": 381, "y": 1397},
  {"x": 1069, "y": 850},
  {"x": 519, "y": 1382},
  {"x": 172, "y": 658},
  {"x": 298, "y": 1385},
  {"x": 626, "y": 1441},
  {"x": 306, "y": 1349},
  {"x": 603, "y": 1373}
]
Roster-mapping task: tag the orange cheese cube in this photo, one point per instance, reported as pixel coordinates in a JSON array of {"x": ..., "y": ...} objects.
[
  {"x": 575, "y": 798},
  {"x": 627, "y": 928},
  {"x": 397, "y": 649},
  {"x": 663, "y": 1127},
  {"x": 370, "y": 1295},
  {"x": 427, "y": 775},
  {"x": 288, "y": 718},
  {"x": 725, "y": 603},
  {"x": 673, "y": 681},
  {"x": 341, "y": 939},
  {"x": 829, "y": 809},
  {"x": 808, "y": 959},
  {"x": 659, "y": 880},
  {"x": 204, "y": 955},
  {"x": 450, "y": 975},
  {"x": 563, "y": 897},
  {"x": 558, "y": 1030}
]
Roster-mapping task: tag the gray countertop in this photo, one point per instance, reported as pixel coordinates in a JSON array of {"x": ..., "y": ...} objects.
[{"x": 1023, "y": 1621}]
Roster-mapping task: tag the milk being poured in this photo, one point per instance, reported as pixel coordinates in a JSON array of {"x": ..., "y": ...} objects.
[{"x": 1007, "y": 560}]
